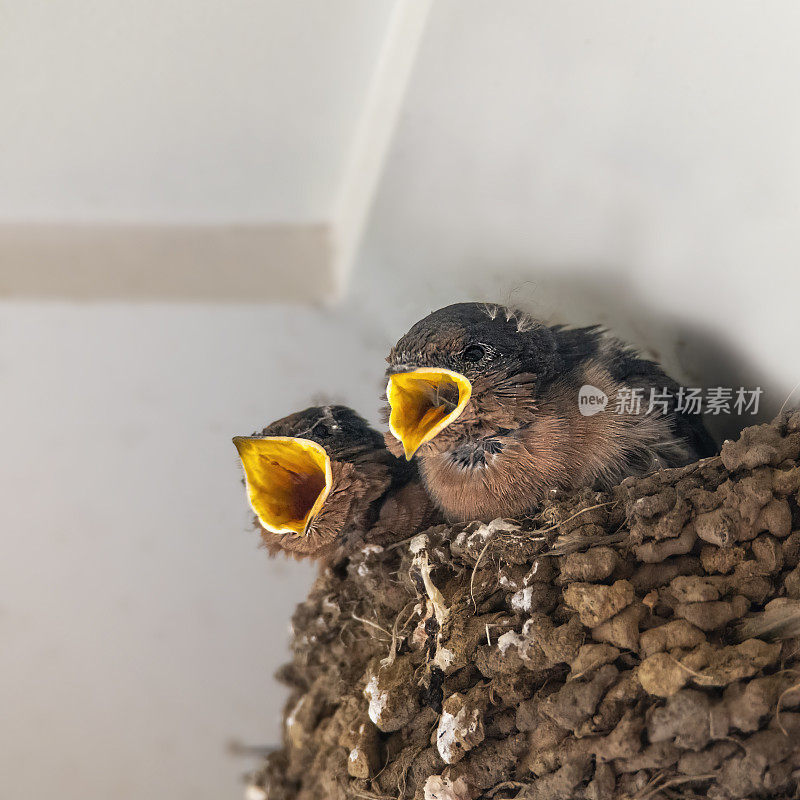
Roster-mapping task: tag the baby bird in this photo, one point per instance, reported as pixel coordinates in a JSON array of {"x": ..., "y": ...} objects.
[
  {"x": 486, "y": 399},
  {"x": 322, "y": 482}
]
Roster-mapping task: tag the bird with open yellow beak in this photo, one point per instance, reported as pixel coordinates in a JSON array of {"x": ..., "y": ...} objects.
[
  {"x": 486, "y": 400},
  {"x": 321, "y": 482}
]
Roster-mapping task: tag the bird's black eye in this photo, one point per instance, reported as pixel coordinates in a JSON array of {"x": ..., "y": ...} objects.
[
  {"x": 474, "y": 353},
  {"x": 321, "y": 430}
]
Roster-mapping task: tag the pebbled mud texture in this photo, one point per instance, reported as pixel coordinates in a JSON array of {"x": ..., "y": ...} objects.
[{"x": 642, "y": 643}]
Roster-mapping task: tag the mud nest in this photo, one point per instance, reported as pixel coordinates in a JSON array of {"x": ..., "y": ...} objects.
[{"x": 642, "y": 643}]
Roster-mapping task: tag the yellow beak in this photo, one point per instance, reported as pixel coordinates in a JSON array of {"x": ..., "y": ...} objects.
[
  {"x": 287, "y": 480},
  {"x": 424, "y": 402}
]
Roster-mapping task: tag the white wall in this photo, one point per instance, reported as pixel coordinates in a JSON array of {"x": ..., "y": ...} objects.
[
  {"x": 632, "y": 163},
  {"x": 140, "y": 623},
  {"x": 190, "y": 111}
]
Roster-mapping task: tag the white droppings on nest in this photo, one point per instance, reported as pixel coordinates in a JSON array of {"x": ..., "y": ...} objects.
[
  {"x": 437, "y": 787},
  {"x": 419, "y": 637},
  {"x": 460, "y": 542},
  {"x": 508, "y": 583},
  {"x": 532, "y": 574},
  {"x": 418, "y": 543},
  {"x": 476, "y": 541},
  {"x": 253, "y": 792},
  {"x": 522, "y": 600},
  {"x": 329, "y": 606},
  {"x": 367, "y": 551},
  {"x": 446, "y": 742},
  {"x": 501, "y": 524},
  {"x": 444, "y": 658},
  {"x": 488, "y": 529},
  {"x": 482, "y": 533},
  {"x": 509, "y": 639},
  {"x": 354, "y": 754},
  {"x": 377, "y": 699},
  {"x": 455, "y": 732}
]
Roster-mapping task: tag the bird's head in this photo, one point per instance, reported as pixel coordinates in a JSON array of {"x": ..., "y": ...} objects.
[
  {"x": 309, "y": 475},
  {"x": 466, "y": 368}
]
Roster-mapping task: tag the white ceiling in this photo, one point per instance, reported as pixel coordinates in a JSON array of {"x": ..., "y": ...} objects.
[
  {"x": 191, "y": 111},
  {"x": 196, "y": 149}
]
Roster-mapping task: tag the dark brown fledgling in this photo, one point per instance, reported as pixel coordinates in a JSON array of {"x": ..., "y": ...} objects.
[
  {"x": 322, "y": 482},
  {"x": 486, "y": 399}
]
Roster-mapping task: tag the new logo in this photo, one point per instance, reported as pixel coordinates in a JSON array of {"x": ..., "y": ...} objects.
[{"x": 591, "y": 400}]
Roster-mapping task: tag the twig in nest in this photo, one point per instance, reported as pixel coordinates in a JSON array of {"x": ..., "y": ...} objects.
[
  {"x": 697, "y": 675},
  {"x": 395, "y": 633},
  {"x": 528, "y": 537},
  {"x": 735, "y": 741},
  {"x": 474, "y": 570},
  {"x": 572, "y": 544},
  {"x": 655, "y": 786},
  {"x": 778, "y": 706},
  {"x": 507, "y": 785},
  {"x": 774, "y": 624},
  {"x": 372, "y": 624},
  {"x": 597, "y": 663},
  {"x": 572, "y": 516}
]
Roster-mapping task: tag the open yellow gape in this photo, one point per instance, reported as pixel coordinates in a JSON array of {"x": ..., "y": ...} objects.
[
  {"x": 424, "y": 402},
  {"x": 287, "y": 480}
]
